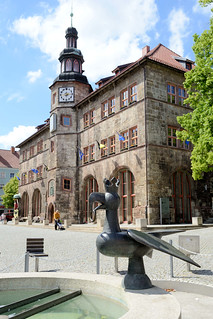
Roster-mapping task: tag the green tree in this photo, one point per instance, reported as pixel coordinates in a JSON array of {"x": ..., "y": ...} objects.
[
  {"x": 198, "y": 125},
  {"x": 10, "y": 189}
]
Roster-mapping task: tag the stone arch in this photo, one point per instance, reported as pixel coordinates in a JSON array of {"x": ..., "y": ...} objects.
[
  {"x": 24, "y": 205},
  {"x": 182, "y": 186},
  {"x": 50, "y": 212},
  {"x": 90, "y": 185},
  {"x": 36, "y": 203}
]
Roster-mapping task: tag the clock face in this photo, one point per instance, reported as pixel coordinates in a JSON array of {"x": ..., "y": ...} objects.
[{"x": 66, "y": 94}]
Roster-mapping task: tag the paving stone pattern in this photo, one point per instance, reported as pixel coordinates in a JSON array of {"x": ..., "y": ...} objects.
[{"x": 75, "y": 251}]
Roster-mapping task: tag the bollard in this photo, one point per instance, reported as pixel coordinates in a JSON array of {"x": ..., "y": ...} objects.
[
  {"x": 116, "y": 264},
  {"x": 97, "y": 262},
  {"x": 171, "y": 263}
]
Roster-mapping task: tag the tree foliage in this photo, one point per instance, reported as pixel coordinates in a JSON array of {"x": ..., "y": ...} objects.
[
  {"x": 10, "y": 189},
  {"x": 198, "y": 125}
]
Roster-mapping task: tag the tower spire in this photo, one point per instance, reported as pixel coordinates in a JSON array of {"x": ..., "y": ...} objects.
[{"x": 71, "y": 14}]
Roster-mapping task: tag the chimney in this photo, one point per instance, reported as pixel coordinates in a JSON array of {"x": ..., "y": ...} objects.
[
  {"x": 12, "y": 149},
  {"x": 145, "y": 50}
]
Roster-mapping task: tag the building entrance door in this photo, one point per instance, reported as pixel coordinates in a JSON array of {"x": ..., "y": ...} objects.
[{"x": 182, "y": 197}]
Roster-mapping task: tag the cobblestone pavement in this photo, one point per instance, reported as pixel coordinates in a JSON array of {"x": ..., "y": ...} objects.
[{"x": 75, "y": 251}]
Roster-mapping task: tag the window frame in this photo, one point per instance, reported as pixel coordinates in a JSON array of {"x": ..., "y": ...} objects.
[
  {"x": 86, "y": 154},
  {"x": 133, "y": 136},
  {"x": 133, "y": 95},
  {"x": 92, "y": 152},
  {"x": 64, "y": 180},
  {"x": 124, "y": 144},
  {"x": 112, "y": 145},
  {"x": 104, "y": 150},
  {"x": 124, "y": 98}
]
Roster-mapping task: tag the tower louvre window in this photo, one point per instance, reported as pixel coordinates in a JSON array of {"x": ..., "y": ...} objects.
[
  {"x": 68, "y": 65},
  {"x": 76, "y": 66}
]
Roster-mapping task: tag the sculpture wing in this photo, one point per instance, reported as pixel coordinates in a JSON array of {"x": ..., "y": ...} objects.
[{"x": 159, "y": 244}]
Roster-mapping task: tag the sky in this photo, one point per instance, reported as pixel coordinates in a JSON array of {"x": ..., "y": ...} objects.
[{"x": 111, "y": 32}]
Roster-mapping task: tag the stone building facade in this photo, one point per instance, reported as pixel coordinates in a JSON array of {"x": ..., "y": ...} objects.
[{"x": 125, "y": 128}]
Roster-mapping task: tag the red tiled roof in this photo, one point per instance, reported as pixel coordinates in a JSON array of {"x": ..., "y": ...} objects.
[
  {"x": 165, "y": 56},
  {"x": 9, "y": 159}
]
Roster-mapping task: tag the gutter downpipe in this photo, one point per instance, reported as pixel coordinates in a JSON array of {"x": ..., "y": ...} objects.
[{"x": 146, "y": 146}]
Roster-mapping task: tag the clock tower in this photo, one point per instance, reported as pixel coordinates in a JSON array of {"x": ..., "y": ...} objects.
[{"x": 70, "y": 87}]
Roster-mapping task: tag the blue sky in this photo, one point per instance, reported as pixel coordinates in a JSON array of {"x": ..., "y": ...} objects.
[{"x": 111, "y": 32}]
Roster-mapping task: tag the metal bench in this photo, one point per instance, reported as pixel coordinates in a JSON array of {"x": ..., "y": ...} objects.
[{"x": 34, "y": 248}]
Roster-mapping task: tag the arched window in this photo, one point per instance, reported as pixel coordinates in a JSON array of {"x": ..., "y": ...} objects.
[
  {"x": 90, "y": 186},
  {"x": 76, "y": 66},
  {"x": 68, "y": 65},
  {"x": 51, "y": 189},
  {"x": 62, "y": 66},
  {"x": 127, "y": 195}
]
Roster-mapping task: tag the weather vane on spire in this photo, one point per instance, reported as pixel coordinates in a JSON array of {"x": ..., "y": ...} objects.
[{"x": 71, "y": 14}]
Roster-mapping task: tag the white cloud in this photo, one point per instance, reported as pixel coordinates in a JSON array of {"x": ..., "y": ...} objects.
[
  {"x": 16, "y": 136},
  {"x": 15, "y": 96},
  {"x": 178, "y": 26},
  {"x": 202, "y": 10},
  {"x": 109, "y": 31},
  {"x": 34, "y": 75}
]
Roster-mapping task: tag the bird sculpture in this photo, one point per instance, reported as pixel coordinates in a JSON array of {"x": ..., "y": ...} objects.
[{"x": 129, "y": 243}]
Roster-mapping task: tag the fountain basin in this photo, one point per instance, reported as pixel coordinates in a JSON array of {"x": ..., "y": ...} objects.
[{"x": 149, "y": 303}]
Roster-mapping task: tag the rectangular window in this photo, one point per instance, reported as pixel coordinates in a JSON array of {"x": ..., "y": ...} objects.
[
  {"x": 40, "y": 171},
  {"x": 133, "y": 93},
  {"x": 86, "y": 120},
  {"x": 172, "y": 138},
  {"x": 112, "y": 145},
  {"x": 1, "y": 186},
  {"x": 104, "y": 109},
  {"x": 67, "y": 184},
  {"x": 104, "y": 149},
  {"x": 66, "y": 120},
  {"x": 111, "y": 105},
  {"x": 52, "y": 146},
  {"x": 54, "y": 98},
  {"x": 181, "y": 95},
  {"x": 39, "y": 146},
  {"x": 133, "y": 137},
  {"x": 124, "y": 98},
  {"x": 171, "y": 93},
  {"x": 175, "y": 142},
  {"x": 12, "y": 175},
  {"x": 124, "y": 143},
  {"x": 30, "y": 177},
  {"x": 2, "y": 175},
  {"x": 24, "y": 155},
  {"x": 86, "y": 155},
  {"x": 92, "y": 116},
  {"x": 92, "y": 152},
  {"x": 32, "y": 151}
]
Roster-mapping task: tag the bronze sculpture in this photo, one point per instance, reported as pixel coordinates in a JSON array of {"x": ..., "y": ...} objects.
[{"x": 128, "y": 243}]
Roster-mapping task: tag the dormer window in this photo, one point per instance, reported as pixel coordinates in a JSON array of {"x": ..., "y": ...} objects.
[{"x": 188, "y": 66}]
